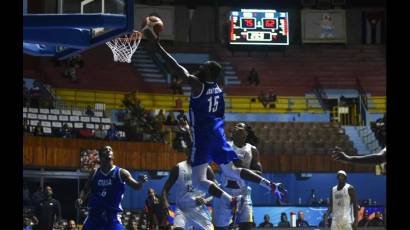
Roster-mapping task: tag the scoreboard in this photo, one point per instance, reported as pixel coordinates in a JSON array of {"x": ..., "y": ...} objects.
[{"x": 258, "y": 27}]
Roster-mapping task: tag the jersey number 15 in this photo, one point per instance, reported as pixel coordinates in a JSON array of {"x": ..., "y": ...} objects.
[{"x": 213, "y": 104}]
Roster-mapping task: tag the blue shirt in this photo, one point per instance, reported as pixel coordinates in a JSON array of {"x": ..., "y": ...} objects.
[
  {"x": 207, "y": 110},
  {"x": 107, "y": 190}
]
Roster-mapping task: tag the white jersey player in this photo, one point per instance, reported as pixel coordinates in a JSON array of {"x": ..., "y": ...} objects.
[
  {"x": 343, "y": 205},
  {"x": 249, "y": 156},
  {"x": 191, "y": 209}
]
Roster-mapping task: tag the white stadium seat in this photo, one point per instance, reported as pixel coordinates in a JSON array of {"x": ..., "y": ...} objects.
[
  {"x": 42, "y": 117},
  {"x": 33, "y": 110},
  {"x": 24, "y": 115},
  {"x": 24, "y": 110},
  {"x": 52, "y": 117},
  {"x": 105, "y": 120},
  {"x": 66, "y": 112},
  {"x": 78, "y": 125},
  {"x": 55, "y": 111},
  {"x": 63, "y": 118},
  {"x": 56, "y": 124},
  {"x": 46, "y": 111},
  {"x": 76, "y": 113},
  {"x": 98, "y": 114},
  {"x": 74, "y": 118},
  {"x": 90, "y": 126},
  {"x": 32, "y": 116},
  {"x": 34, "y": 122},
  {"x": 46, "y": 124},
  {"x": 85, "y": 119},
  {"x": 47, "y": 130},
  {"x": 95, "y": 119}
]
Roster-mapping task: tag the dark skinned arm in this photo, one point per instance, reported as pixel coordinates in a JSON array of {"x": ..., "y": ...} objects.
[
  {"x": 173, "y": 177},
  {"x": 377, "y": 158},
  {"x": 173, "y": 65},
  {"x": 86, "y": 190},
  {"x": 353, "y": 200},
  {"x": 130, "y": 181}
]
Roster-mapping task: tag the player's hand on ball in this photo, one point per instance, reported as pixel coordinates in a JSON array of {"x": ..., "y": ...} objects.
[
  {"x": 200, "y": 201},
  {"x": 143, "y": 178},
  {"x": 78, "y": 203}
]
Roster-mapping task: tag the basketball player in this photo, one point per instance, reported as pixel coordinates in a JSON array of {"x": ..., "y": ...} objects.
[
  {"x": 207, "y": 110},
  {"x": 343, "y": 205},
  {"x": 249, "y": 156},
  {"x": 191, "y": 209},
  {"x": 105, "y": 188}
]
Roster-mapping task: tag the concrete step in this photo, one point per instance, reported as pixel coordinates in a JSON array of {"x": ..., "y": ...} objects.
[
  {"x": 147, "y": 70},
  {"x": 148, "y": 75},
  {"x": 142, "y": 65},
  {"x": 155, "y": 80}
]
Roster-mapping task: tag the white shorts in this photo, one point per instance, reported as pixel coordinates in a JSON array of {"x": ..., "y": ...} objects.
[
  {"x": 341, "y": 226},
  {"x": 198, "y": 217},
  {"x": 223, "y": 213}
]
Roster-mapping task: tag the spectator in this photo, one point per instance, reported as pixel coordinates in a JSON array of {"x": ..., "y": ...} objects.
[
  {"x": 377, "y": 221},
  {"x": 301, "y": 222},
  {"x": 266, "y": 222},
  {"x": 47, "y": 211},
  {"x": 253, "y": 77},
  {"x": 66, "y": 131},
  {"x": 89, "y": 112},
  {"x": 323, "y": 221},
  {"x": 182, "y": 141},
  {"x": 112, "y": 133},
  {"x": 85, "y": 132},
  {"x": 363, "y": 222},
  {"x": 26, "y": 126},
  {"x": 160, "y": 119},
  {"x": 176, "y": 86},
  {"x": 272, "y": 97},
  {"x": 29, "y": 222},
  {"x": 170, "y": 119},
  {"x": 26, "y": 94},
  {"x": 26, "y": 195},
  {"x": 133, "y": 225},
  {"x": 263, "y": 98},
  {"x": 38, "y": 196},
  {"x": 38, "y": 130},
  {"x": 35, "y": 94},
  {"x": 181, "y": 115},
  {"x": 284, "y": 221},
  {"x": 100, "y": 133},
  {"x": 72, "y": 225},
  {"x": 153, "y": 208}
]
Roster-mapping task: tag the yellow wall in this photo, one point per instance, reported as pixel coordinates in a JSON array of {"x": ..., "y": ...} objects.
[{"x": 113, "y": 100}]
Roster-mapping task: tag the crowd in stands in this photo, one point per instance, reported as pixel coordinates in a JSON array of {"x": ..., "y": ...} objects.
[
  {"x": 268, "y": 99},
  {"x": 253, "y": 77},
  {"x": 34, "y": 97},
  {"x": 379, "y": 130},
  {"x": 70, "y": 66}
]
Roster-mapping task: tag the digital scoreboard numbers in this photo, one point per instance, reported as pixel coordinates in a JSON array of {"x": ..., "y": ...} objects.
[{"x": 259, "y": 27}]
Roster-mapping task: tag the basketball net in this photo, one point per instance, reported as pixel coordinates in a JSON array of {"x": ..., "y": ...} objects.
[{"x": 124, "y": 47}]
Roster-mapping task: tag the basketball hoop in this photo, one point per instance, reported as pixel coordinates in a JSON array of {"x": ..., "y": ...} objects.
[{"x": 124, "y": 47}]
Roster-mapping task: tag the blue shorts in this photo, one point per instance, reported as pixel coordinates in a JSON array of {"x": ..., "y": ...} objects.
[
  {"x": 102, "y": 220},
  {"x": 211, "y": 146}
]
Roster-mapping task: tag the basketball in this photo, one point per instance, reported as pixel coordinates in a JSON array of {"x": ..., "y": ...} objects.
[{"x": 153, "y": 23}]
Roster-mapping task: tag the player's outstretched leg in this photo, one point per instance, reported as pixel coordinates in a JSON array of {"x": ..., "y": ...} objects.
[{"x": 242, "y": 173}]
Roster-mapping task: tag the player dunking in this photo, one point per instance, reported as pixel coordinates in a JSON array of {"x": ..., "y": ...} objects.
[
  {"x": 191, "y": 210},
  {"x": 343, "y": 205},
  {"x": 249, "y": 156},
  {"x": 207, "y": 111},
  {"x": 105, "y": 188}
]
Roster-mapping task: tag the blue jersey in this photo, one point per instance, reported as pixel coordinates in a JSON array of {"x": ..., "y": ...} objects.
[
  {"x": 107, "y": 190},
  {"x": 207, "y": 113},
  {"x": 207, "y": 110}
]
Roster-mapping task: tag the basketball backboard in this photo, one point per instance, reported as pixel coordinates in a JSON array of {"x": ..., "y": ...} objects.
[{"x": 63, "y": 28}]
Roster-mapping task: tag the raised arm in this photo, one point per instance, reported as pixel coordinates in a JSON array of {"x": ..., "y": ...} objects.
[
  {"x": 377, "y": 158},
  {"x": 130, "y": 181},
  {"x": 173, "y": 65},
  {"x": 173, "y": 177},
  {"x": 353, "y": 200},
  {"x": 256, "y": 165}
]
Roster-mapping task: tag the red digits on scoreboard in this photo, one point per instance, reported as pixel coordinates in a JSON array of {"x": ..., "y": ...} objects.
[
  {"x": 249, "y": 22},
  {"x": 270, "y": 23}
]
